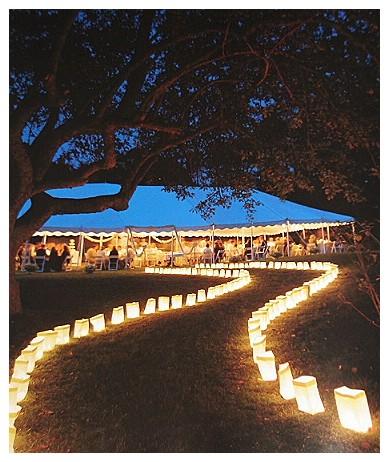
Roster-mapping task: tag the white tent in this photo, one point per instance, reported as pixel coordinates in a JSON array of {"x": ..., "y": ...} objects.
[{"x": 151, "y": 205}]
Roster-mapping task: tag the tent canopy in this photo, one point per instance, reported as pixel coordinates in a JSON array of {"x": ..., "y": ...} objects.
[{"x": 150, "y": 205}]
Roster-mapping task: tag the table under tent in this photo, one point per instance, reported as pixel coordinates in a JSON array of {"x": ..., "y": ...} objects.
[{"x": 181, "y": 246}]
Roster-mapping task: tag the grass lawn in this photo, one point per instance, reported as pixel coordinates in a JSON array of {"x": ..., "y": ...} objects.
[{"x": 184, "y": 380}]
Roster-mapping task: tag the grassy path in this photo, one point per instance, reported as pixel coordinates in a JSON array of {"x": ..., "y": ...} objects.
[{"x": 184, "y": 381}]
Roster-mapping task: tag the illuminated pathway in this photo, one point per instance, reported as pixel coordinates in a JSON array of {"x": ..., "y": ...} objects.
[{"x": 194, "y": 412}]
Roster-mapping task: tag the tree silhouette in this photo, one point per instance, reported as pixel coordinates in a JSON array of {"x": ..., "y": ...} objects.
[{"x": 277, "y": 100}]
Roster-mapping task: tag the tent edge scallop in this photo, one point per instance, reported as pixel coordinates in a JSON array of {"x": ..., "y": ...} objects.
[{"x": 223, "y": 231}]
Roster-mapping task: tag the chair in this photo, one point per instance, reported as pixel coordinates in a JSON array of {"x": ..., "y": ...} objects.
[
  {"x": 207, "y": 259},
  {"x": 99, "y": 263},
  {"x": 260, "y": 252},
  {"x": 113, "y": 264},
  {"x": 338, "y": 247},
  {"x": 220, "y": 255},
  {"x": 40, "y": 261}
]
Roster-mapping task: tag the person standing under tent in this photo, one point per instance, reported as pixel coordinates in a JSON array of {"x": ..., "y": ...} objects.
[{"x": 207, "y": 254}]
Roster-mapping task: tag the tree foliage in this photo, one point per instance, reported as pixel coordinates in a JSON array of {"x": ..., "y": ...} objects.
[{"x": 236, "y": 100}]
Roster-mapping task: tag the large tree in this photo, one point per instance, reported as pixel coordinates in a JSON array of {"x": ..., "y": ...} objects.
[{"x": 282, "y": 101}]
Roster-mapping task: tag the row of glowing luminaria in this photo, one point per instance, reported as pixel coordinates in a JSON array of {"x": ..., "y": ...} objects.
[
  {"x": 60, "y": 335},
  {"x": 352, "y": 405}
]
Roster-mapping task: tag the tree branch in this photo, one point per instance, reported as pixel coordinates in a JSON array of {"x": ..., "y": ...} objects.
[
  {"x": 51, "y": 78},
  {"x": 141, "y": 49},
  {"x": 134, "y": 66},
  {"x": 159, "y": 92},
  {"x": 283, "y": 80}
]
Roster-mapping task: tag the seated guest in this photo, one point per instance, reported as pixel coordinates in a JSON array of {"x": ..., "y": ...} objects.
[
  {"x": 271, "y": 245},
  {"x": 91, "y": 255},
  {"x": 312, "y": 247},
  {"x": 64, "y": 258},
  {"x": 113, "y": 258},
  {"x": 53, "y": 258},
  {"x": 114, "y": 252},
  {"x": 235, "y": 253},
  {"x": 122, "y": 254}
]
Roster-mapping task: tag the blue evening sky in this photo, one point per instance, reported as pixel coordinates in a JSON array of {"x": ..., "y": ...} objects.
[{"x": 150, "y": 206}]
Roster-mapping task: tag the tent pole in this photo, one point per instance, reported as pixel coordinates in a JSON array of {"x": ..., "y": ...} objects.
[
  {"x": 101, "y": 242},
  {"x": 44, "y": 238},
  {"x": 323, "y": 238},
  {"x": 287, "y": 238},
  {"x": 172, "y": 247},
  {"x": 328, "y": 233},
  {"x": 127, "y": 265},
  {"x": 251, "y": 242},
  {"x": 213, "y": 243},
  {"x": 303, "y": 233},
  {"x": 79, "y": 263}
]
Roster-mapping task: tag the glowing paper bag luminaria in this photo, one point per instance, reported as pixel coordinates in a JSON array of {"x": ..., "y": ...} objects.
[
  {"x": 353, "y": 409},
  {"x": 29, "y": 354},
  {"x": 132, "y": 310},
  {"x": 266, "y": 365},
  {"x": 20, "y": 367},
  {"x": 63, "y": 334},
  {"x": 98, "y": 322},
  {"x": 201, "y": 295},
  {"x": 117, "y": 315},
  {"x": 150, "y": 306},
  {"x": 210, "y": 293},
  {"x": 307, "y": 395},
  {"x": 14, "y": 408},
  {"x": 81, "y": 328},
  {"x": 50, "y": 337},
  {"x": 263, "y": 316},
  {"x": 21, "y": 383},
  {"x": 163, "y": 303},
  {"x": 285, "y": 379},
  {"x": 254, "y": 332},
  {"x": 259, "y": 346},
  {"x": 38, "y": 342},
  {"x": 190, "y": 300},
  {"x": 176, "y": 301}
]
